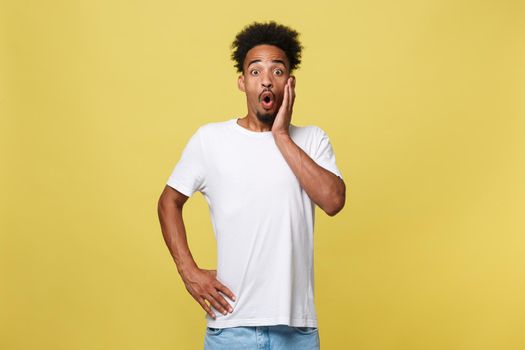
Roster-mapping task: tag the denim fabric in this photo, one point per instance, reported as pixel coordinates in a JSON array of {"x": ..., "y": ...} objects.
[{"x": 277, "y": 337}]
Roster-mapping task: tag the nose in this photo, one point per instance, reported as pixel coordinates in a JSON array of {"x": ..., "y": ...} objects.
[{"x": 267, "y": 81}]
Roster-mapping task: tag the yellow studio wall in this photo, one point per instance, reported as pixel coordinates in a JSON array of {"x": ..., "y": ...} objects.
[{"x": 424, "y": 102}]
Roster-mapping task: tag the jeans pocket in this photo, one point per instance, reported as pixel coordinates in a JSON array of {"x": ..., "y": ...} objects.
[
  {"x": 306, "y": 330},
  {"x": 213, "y": 331}
]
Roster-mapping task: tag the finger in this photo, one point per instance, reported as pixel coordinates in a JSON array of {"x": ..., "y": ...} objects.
[
  {"x": 285, "y": 98},
  {"x": 225, "y": 290},
  {"x": 227, "y": 307},
  {"x": 293, "y": 90},
  {"x": 206, "y": 307},
  {"x": 216, "y": 304},
  {"x": 290, "y": 96}
]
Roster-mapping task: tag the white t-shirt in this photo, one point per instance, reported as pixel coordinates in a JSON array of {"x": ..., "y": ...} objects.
[{"x": 262, "y": 219}]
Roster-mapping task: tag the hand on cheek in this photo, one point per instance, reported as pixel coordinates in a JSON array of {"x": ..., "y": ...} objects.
[{"x": 284, "y": 115}]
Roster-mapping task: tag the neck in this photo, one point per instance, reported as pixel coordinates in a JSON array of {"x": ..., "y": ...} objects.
[{"x": 251, "y": 122}]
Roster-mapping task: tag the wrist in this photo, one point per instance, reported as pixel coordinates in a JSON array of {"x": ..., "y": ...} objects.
[
  {"x": 281, "y": 135},
  {"x": 187, "y": 269}
]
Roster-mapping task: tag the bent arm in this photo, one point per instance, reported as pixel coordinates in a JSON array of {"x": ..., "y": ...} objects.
[
  {"x": 326, "y": 189},
  {"x": 169, "y": 209}
]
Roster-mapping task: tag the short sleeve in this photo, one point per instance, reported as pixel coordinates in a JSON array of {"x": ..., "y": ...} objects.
[
  {"x": 324, "y": 154},
  {"x": 189, "y": 173}
]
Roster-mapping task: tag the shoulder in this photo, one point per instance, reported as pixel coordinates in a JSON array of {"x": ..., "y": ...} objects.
[
  {"x": 312, "y": 132},
  {"x": 213, "y": 134},
  {"x": 308, "y": 137}
]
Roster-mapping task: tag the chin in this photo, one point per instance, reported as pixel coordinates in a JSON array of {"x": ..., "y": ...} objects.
[{"x": 266, "y": 118}]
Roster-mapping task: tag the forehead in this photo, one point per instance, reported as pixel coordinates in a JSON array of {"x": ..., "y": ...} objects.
[{"x": 265, "y": 53}]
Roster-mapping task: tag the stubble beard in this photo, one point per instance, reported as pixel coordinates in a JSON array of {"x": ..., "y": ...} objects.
[{"x": 266, "y": 118}]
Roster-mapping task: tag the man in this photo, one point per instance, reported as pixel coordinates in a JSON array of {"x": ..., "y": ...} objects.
[{"x": 262, "y": 177}]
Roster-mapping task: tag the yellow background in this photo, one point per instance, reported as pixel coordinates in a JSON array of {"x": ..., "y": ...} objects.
[{"x": 424, "y": 102}]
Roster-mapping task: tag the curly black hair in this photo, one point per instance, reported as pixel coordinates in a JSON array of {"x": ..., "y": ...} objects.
[{"x": 269, "y": 33}]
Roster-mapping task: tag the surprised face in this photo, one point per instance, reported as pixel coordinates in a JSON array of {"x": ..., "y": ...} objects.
[{"x": 266, "y": 71}]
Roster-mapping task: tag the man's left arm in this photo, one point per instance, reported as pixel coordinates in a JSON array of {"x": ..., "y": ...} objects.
[{"x": 325, "y": 188}]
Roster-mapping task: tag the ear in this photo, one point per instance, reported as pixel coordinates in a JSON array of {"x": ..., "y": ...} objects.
[{"x": 240, "y": 83}]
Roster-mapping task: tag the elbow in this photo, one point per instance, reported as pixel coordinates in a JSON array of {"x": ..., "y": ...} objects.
[
  {"x": 336, "y": 207},
  {"x": 338, "y": 201}
]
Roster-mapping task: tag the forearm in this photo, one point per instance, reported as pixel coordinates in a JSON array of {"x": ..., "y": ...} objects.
[
  {"x": 174, "y": 233},
  {"x": 325, "y": 188}
]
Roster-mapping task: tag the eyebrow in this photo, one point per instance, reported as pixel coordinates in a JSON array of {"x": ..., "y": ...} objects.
[{"x": 274, "y": 61}]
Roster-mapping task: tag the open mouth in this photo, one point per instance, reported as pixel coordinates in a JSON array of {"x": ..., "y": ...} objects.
[{"x": 267, "y": 100}]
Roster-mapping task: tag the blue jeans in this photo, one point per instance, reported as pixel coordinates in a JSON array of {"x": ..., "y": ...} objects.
[{"x": 278, "y": 337}]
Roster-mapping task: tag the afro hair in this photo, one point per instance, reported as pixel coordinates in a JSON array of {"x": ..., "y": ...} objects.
[{"x": 269, "y": 33}]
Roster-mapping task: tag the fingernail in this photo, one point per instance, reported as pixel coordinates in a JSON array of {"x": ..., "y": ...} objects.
[
  {"x": 224, "y": 312},
  {"x": 231, "y": 309}
]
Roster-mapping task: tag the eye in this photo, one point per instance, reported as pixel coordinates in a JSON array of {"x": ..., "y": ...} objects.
[
  {"x": 278, "y": 71},
  {"x": 254, "y": 72}
]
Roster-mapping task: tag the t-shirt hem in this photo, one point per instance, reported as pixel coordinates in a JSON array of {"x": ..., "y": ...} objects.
[
  {"x": 293, "y": 322},
  {"x": 185, "y": 190},
  {"x": 331, "y": 169}
]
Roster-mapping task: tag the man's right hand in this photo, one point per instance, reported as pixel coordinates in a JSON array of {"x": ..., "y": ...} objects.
[{"x": 203, "y": 285}]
